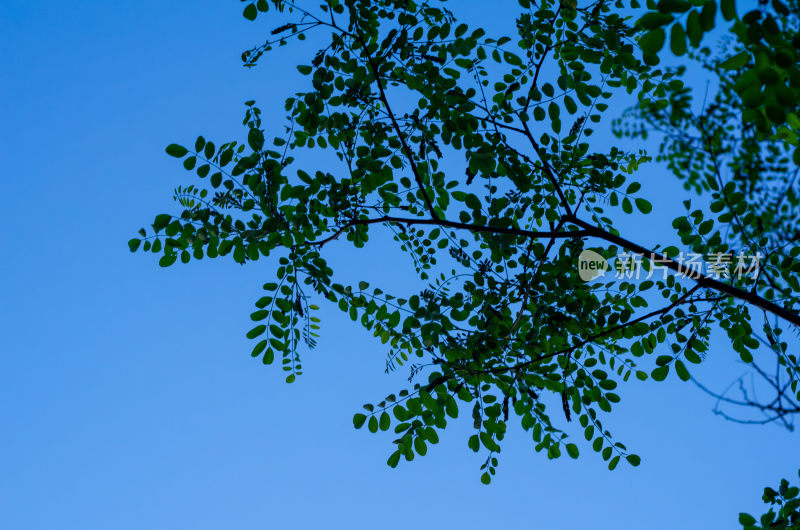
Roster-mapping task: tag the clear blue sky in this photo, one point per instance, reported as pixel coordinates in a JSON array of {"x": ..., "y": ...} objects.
[{"x": 128, "y": 399}]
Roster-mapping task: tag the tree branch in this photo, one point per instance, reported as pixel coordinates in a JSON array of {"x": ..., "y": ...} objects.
[
  {"x": 698, "y": 277},
  {"x": 450, "y": 224},
  {"x": 396, "y": 126},
  {"x": 547, "y": 169},
  {"x": 602, "y": 334}
]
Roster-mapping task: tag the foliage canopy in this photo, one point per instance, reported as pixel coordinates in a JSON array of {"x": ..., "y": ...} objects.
[
  {"x": 478, "y": 153},
  {"x": 787, "y": 517}
]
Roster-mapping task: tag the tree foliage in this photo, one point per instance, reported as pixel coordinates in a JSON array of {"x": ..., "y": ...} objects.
[
  {"x": 787, "y": 501},
  {"x": 477, "y": 153},
  {"x": 736, "y": 143}
]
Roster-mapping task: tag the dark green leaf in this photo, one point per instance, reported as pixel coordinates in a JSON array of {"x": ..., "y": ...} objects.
[
  {"x": 728, "y": 8},
  {"x": 633, "y": 460},
  {"x": 677, "y": 40},
  {"x": 358, "y": 420},
  {"x": 746, "y": 519},
  {"x": 572, "y": 450},
  {"x": 176, "y": 150},
  {"x": 652, "y": 41},
  {"x": 660, "y": 373},
  {"x": 681, "y": 370},
  {"x": 736, "y": 61},
  {"x": 644, "y": 206},
  {"x": 250, "y": 12},
  {"x": 655, "y": 20},
  {"x": 161, "y": 222},
  {"x": 167, "y": 260}
]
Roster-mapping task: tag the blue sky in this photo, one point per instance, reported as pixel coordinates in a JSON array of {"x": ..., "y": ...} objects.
[{"x": 128, "y": 398}]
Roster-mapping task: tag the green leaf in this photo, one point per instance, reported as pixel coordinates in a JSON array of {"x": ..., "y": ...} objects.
[
  {"x": 694, "y": 30},
  {"x": 260, "y": 347},
  {"x": 572, "y": 450},
  {"x": 420, "y": 447},
  {"x": 250, "y": 12},
  {"x": 660, "y": 373},
  {"x": 644, "y": 206},
  {"x": 255, "y": 139},
  {"x": 707, "y": 15},
  {"x": 681, "y": 370},
  {"x": 451, "y": 408},
  {"x": 134, "y": 243},
  {"x": 358, "y": 420},
  {"x": 735, "y": 62},
  {"x": 259, "y": 315},
  {"x": 269, "y": 356},
  {"x": 626, "y": 205},
  {"x": 633, "y": 460},
  {"x": 176, "y": 150},
  {"x": 673, "y": 6},
  {"x": 670, "y": 251},
  {"x": 692, "y": 357},
  {"x": 239, "y": 254},
  {"x": 256, "y": 331},
  {"x": 652, "y": 41},
  {"x": 655, "y": 20},
  {"x": 167, "y": 260},
  {"x": 385, "y": 421},
  {"x": 570, "y": 105},
  {"x": 728, "y": 8},
  {"x": 372, "y": 425},
  {"x": 553, "y": 111},
  {"x": 747, "y": 519},
  {"x": 677, "y": 39}
]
